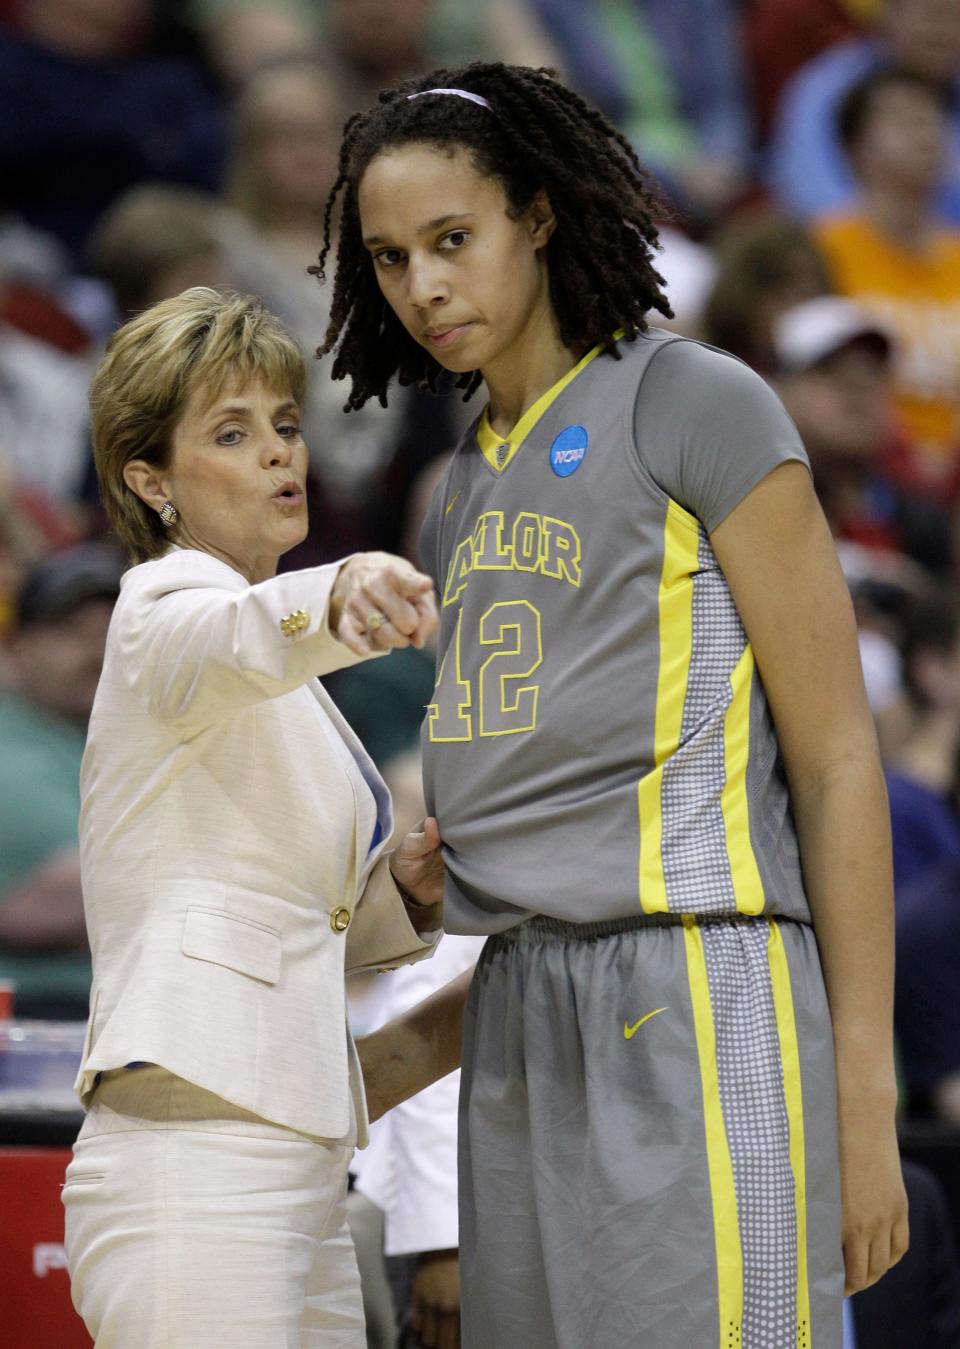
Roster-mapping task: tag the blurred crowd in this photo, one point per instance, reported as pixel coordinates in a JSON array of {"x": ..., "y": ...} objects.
[{"x": 808, "y": 158}]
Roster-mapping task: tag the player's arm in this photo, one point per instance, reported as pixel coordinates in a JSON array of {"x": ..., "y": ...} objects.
[
  {"x": 417, "y": 1048},
  {"x": 780, "y": 563}
]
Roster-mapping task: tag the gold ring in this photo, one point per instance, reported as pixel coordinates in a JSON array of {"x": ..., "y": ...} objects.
[{"x": 375, "y": 621}]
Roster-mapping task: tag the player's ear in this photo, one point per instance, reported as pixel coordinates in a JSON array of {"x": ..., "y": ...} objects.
[{"x": 540, "y": 219}]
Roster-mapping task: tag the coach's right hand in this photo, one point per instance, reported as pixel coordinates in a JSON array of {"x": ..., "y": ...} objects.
[{"x": 380, "y": 602}]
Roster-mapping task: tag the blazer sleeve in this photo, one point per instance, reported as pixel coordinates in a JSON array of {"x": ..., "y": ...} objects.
[
  {"x": 198, "y": 643},
  {"x": 381, "y": 936}
]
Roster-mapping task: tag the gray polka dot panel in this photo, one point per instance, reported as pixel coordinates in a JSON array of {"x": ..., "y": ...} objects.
[
  {"x": 755, "y": 1117},
  {"x": 696, "y": 861}
]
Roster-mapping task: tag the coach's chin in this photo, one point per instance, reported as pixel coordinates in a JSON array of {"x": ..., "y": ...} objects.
[{"x": 233, "y": 839}]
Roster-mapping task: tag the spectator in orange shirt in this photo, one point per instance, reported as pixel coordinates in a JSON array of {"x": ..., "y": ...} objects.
[{"x": 900, "y": 260}]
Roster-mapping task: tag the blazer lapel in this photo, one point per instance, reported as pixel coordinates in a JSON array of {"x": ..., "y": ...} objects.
[{"x": 364, "y": 855}]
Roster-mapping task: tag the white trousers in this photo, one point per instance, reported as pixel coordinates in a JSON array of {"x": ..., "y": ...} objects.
[{"x": 191, "y": 1224}]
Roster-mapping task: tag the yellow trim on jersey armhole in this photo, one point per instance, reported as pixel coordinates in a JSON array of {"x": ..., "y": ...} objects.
[
  {"x": 488, "y": 440},
  {"x": 734, "y": 804},
  {"x": 681, "y": 551},
  {"x": 723, "y": 1193},
  {"x": 793, "y": 1093}
]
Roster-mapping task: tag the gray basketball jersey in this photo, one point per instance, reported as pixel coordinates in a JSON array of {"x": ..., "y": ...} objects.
[{"x": 599, "y": 744}]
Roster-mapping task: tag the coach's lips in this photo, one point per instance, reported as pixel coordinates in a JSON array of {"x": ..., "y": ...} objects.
[
  {"x": 445, "y": 337},
  {"x": 289, "y": 494}
]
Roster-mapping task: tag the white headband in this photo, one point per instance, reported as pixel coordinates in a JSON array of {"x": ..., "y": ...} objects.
[{"x": 457, "y": 93}]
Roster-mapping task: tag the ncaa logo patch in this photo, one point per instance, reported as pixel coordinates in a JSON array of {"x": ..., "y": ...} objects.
[{"x": 569, "y": 450}]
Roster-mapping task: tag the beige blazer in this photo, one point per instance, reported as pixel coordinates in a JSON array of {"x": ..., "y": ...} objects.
[{"x": 225, "y": 831}]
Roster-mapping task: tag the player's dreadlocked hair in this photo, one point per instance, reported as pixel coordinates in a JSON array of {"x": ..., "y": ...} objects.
[{"x": 536, "y": 135}]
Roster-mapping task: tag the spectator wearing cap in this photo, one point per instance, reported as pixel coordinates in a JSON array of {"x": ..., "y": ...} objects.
[
  {"x": 55, "y": 652},
  {"x": 766, "y": 264},
  {"x": 833, "y": 373}
]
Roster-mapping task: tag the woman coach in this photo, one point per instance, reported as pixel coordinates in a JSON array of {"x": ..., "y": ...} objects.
[{"x": 232, "y": 839}]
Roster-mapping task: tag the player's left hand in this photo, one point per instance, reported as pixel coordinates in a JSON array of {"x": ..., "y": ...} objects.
[
  {"x": 875, "y": 1228},
  {"x": 417, "y": 864},
  {"x": 435, "y": 1300}
]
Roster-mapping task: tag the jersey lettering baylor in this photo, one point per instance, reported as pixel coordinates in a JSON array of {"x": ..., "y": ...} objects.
[{"x": 599, "y": 743}]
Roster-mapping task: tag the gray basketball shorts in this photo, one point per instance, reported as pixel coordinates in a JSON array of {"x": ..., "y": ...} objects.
[{"x": 648, "y": 1139}]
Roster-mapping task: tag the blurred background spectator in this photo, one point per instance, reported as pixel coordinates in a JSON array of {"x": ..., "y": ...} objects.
[
  {"x": 920, "y": 736},
  {"x": 90, "y": 110},
  {"x": 671, "y": 72},
  {"x": 285, "y": 137},
  {"x": 808, "y": 172},
  {"x": 371, "y": 43},
  {"x": 43, "y": 414},
  {"x": 54, "y": 652},
  {"x": 766, "y": 262},
  {"x": 780, "y": 36},
  {"x": 893, "y": 251},
  {"x": 927, "y": 1016},
  {"x": 154, "y": 241}
]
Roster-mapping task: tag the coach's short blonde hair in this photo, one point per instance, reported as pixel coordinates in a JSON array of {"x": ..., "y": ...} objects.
[{"x": 152, "y": 366}]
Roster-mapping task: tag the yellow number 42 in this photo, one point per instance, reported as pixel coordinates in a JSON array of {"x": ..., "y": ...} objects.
[{"x": 507, "y": 706}]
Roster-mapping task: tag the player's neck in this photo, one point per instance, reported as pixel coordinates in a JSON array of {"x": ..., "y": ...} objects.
[{"x": 525, "y": 371}]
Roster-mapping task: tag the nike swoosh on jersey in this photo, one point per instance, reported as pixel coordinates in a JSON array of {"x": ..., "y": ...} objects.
[
  {"x": 452, "y": 503},
  {"x": 630, "y": 1031}
]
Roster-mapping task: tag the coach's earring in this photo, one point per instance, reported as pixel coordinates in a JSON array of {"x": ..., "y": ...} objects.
[{"x": 169, "y": 514}]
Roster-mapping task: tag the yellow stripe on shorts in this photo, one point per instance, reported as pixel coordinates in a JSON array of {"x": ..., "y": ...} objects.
[
  {"x": 790, "y": 1059},
  {"x": 723, "y": 1192},
  {"x": 681, "y": 547}
]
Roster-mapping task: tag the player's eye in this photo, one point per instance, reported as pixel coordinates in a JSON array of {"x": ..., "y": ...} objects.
[
  {"x": 388, "y": 257},
  {"x": 455, "y": 239}
]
